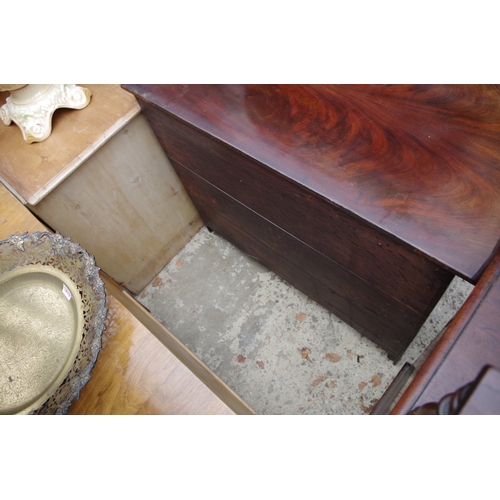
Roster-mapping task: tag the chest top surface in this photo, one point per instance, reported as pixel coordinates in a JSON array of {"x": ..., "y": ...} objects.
[{"x": 420, "y": 162}]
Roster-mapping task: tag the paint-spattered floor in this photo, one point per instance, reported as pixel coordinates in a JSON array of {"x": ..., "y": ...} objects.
[{"x": 280, "y": 351}]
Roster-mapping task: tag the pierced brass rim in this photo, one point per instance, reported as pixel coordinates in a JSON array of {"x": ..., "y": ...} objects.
[{"x": 55, "y": 251}]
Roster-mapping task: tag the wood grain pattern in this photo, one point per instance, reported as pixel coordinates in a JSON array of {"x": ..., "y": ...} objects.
[
  {"x": 419, "y": 162},
  {"x": 14, "y": 218},
  {"x": 471, "y": 341},
  {"x": 32, "y": 170},
  {"x": 127, "y": 197}
]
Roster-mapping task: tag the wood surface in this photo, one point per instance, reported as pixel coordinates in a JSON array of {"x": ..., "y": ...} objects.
[
  {"x": 485, "y": 399},
  {"x": 418, "y": 162},
  {"x": 125, "y": 197},
  {"x": 14, "y": 218},
  {"x": 135, "y": 372},
  {"x": 471, "y": 342},
  {"x": 31, "y": 171}
]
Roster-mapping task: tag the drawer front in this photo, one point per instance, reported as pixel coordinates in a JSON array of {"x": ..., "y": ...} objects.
[
  {"x": 380, "y": 317},
  {"x": 390, "y": 266}
]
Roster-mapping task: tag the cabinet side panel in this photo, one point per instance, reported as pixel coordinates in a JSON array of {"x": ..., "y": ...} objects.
[{"x": 126, "y": 206}]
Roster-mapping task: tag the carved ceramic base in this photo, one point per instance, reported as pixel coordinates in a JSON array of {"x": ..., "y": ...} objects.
[{"x": 31, "y": 107}]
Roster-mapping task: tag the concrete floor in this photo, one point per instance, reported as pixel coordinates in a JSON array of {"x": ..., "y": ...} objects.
[{"x": 279, "y": 350}]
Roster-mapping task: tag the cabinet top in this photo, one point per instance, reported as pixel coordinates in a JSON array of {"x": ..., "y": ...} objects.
[
  {"x": 31, "y": 171},
  {"x": 420, "y": 162}
]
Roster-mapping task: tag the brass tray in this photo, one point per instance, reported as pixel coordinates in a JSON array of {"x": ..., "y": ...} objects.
[
  {"x": 52, "y": 312},
  {"x": 41, "y": 322}
]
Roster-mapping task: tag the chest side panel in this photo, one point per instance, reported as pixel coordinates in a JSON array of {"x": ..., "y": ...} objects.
[
  {"x": 371, "y": 255},
  {"x": 386, "y": 321}
]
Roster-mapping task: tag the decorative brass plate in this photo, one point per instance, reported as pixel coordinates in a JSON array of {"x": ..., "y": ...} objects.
[
  {"x": 41, "y": 322},
  {"x": 52, "y": 312}
]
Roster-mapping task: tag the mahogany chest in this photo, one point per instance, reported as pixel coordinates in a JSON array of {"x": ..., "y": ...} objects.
[{"x": 367, "y": 198}]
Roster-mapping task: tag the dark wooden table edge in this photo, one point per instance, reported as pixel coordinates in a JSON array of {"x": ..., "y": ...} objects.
[{"x": 457, "y": 325}]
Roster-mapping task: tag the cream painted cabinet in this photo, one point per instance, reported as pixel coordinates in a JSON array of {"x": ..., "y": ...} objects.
[{"x": 103, "y": 180}]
